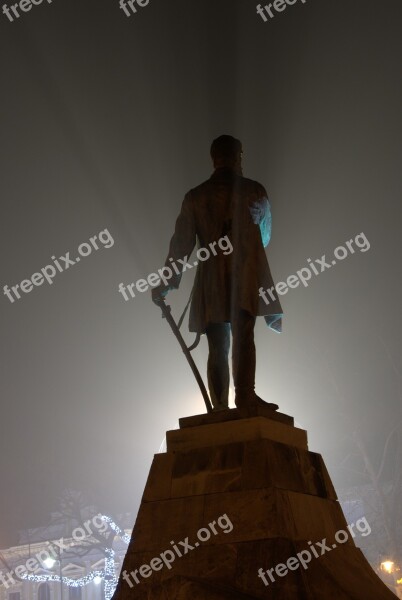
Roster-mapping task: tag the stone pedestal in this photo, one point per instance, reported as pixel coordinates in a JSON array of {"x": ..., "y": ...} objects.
[{"x": 233, "y": 497}]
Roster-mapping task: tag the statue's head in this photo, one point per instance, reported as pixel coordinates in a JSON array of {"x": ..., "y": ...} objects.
[{"x": 226, "y": 151}]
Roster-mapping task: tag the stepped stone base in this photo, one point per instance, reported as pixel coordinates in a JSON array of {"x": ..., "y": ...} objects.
[{"x": 242, "y": 494}]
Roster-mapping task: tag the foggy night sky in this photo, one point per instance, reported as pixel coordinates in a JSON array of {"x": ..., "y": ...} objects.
[{"x": 106, "y": 122}]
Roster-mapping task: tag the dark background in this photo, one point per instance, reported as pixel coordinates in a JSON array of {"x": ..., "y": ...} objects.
[{"x": 106, "y": 122}]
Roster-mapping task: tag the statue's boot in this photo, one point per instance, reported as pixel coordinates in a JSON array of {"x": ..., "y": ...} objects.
[
  {"x": 248, "y": 405},
  {"x": 262, "y": 404}
]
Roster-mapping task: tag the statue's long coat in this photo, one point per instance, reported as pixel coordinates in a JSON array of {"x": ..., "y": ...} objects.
[{"x": 224, "y": 283}]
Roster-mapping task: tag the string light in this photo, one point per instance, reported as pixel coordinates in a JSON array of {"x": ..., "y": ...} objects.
[
  {"x": 108, "y": 574},
  {"x": 126, "y": 538},
  {"x": 67, "y": 580}
]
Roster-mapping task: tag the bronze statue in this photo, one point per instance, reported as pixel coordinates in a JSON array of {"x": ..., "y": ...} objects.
[{"x": 230, "y": 218}]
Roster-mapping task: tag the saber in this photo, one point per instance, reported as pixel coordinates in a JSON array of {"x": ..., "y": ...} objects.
[{"x": 166, "y": 310}]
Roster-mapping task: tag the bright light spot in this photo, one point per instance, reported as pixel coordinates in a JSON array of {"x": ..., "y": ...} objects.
[
  {"x": 49, "y": 562},
  {"x": 163, "y": 446},
  {"x": 387, "y": 566},
  {"x": 232, "y": 395},
  {"x": 97, "y": 580}
]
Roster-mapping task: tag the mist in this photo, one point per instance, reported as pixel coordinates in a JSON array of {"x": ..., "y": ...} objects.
[{"x": 107, "y": 122}]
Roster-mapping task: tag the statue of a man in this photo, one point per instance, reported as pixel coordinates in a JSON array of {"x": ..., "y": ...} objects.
[{"x": 226, "y": 296}]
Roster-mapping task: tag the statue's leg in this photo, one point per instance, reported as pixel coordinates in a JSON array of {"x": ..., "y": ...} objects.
[
  {"x": 218, "y": 335},
  {"x": 243, "y": 356}
]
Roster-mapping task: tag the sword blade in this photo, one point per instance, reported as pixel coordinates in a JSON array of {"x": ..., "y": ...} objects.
[{"x": 168, "y": 316}]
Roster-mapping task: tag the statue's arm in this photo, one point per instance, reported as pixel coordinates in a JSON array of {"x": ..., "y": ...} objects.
[
  {"x": 266, "y": 223},
  {"x": 183, "y": 240},
  {"x": 260, "y": 211}
]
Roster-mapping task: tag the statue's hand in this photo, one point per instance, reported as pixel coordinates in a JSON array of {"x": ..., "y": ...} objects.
[{"x": 159, "y": 293}]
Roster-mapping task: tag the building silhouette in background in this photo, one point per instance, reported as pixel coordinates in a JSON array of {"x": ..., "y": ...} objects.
[{"x": 72, "y": 559}]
